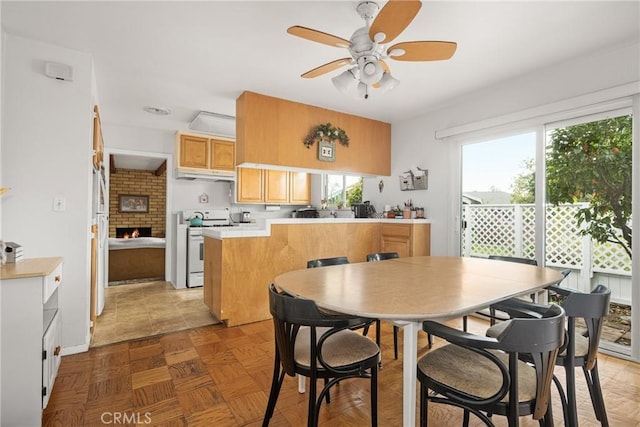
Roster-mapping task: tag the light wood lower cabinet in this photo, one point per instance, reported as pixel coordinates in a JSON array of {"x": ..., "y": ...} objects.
[
  {"x": 238, "y": 271},
  {"x": 406, "y": 239},
  {"x": 31, "y": 338}
]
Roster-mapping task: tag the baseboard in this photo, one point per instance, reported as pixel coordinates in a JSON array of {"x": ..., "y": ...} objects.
[{"x": 75, "y": 349}]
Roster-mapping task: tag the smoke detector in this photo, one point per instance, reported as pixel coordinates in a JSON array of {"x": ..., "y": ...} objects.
[{"x": 158, "y": 111}]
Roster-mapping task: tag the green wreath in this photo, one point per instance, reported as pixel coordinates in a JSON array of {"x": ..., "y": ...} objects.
[{"x": 326, "y": 132}]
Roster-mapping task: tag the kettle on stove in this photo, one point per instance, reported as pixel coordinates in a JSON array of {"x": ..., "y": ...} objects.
[{"x": 196, "y": 221}]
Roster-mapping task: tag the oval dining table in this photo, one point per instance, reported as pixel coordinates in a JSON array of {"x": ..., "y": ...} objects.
[{"x": 407, "y": 291}]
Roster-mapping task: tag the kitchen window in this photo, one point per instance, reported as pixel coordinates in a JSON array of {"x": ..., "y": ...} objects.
[{"x": 336, "y": 189}]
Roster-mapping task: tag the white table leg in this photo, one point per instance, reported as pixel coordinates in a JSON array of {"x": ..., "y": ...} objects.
[
  {"x": 409, "y": 371},
  {"x": 301, "y": 384}
]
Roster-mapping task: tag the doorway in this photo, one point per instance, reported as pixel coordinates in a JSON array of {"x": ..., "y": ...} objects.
[{"x": 143, "y": 161}]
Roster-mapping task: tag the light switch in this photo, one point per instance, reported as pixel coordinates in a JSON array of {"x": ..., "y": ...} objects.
[{"x": 59, "y": 204}]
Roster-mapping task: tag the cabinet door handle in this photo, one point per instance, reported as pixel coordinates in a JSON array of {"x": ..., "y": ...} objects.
[
  {"x": 56, "y": 352},
  {"x": 58, "y": 278}
]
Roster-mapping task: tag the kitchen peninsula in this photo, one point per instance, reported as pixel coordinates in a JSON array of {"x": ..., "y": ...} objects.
[{"x": 240, "y": 262}]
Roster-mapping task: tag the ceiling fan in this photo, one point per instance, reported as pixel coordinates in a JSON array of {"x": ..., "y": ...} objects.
[{"x": 368, "y": 50}]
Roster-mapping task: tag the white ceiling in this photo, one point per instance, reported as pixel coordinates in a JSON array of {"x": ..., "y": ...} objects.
[{"x": 192, "y": 56}]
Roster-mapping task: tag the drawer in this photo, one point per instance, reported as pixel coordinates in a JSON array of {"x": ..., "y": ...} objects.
[
  {"x": 51, "y": 283},
  {"x": 399, "y": 230}
]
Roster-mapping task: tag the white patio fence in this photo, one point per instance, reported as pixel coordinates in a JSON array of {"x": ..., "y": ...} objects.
[{"x": 509, "y": 230}]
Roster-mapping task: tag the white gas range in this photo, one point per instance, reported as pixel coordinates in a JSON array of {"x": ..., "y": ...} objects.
[{"x": 195, "y": 240}]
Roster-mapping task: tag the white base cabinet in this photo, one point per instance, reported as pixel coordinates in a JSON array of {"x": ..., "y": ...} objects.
[{"x": 31, "y": 338}]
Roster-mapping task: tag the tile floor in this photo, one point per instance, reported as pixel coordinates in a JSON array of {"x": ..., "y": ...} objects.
[{"x": 146, "y": 309}]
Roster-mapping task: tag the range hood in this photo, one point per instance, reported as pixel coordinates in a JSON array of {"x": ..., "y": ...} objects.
[
  {"x": 214, "y": 124},
  {"x": 208, "y": 176}
]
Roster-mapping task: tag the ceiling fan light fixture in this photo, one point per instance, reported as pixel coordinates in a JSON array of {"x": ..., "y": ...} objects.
[
  {"x": 388, "y": 82},
  {"x": 345, "y": 82},
  {"x": 371, "y": 72},
  {"x": 369, "y": 50}
]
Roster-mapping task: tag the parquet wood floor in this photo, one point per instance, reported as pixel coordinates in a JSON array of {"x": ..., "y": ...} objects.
[{"x": 216, "y": 376}]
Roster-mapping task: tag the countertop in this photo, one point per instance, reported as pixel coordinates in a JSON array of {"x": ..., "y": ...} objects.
[
  {"x": 29, "y": 267},
  {"x": 262, "y": 228}
]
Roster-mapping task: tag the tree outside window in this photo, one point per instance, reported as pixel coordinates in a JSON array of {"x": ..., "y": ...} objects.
[{"x": 342, "y": 190}]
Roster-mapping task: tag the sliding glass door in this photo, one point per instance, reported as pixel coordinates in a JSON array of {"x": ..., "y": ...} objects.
[
  {"x": 588, "y": 170},
  {"x": 560, "y": 194}
]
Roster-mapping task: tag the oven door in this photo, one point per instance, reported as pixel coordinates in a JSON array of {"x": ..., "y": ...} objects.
[{"x": 195, "y": 260}]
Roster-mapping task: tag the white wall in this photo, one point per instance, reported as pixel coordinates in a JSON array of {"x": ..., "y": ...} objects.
[
  {"x": 414, "y": 143},
  {"x": 46, "y": 153}
]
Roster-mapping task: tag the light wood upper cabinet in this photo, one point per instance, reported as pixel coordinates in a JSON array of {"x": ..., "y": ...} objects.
[
  {"x": 250, "y": 186},
  {"x": 273, "y": 187},
  {"x": 299, "y": 188},
  {"x": 222, "y": 155},
  {"x": 276, "y": 187},
  {"x": 194, "y": 152},
  {"x": 205, "y": 153}
]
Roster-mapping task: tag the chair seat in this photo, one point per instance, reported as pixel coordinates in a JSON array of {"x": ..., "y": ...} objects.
[
  {"x": 479, "y": 376},
  {"x": 343, "y": 348},
  {"x": 581, "y": 342}
]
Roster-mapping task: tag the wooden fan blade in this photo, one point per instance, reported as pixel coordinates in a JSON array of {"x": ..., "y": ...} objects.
[
  {"x": 329, "y": 66},
  {"x": 423, "y": 51},
  {"x": 393, "y": 18},
  {"x": 318, "y": 36}
]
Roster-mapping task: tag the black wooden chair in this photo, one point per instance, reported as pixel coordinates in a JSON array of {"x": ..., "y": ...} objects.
[
  {"x": 492, "y": 311},
  {"x": 325, "y": 262},
  {"x": 381, "y": 256},
  {"x": 484, "y": 376},
  {"x": 318, "y": 345},
  {"x": 583, "y": 310},
  {"x": 491, "y": 315}
]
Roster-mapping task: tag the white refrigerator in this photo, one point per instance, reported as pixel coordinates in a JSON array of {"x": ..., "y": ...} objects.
[
  {"x": 101, "y": 220},
  {"x": 103, "y": 260}
]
